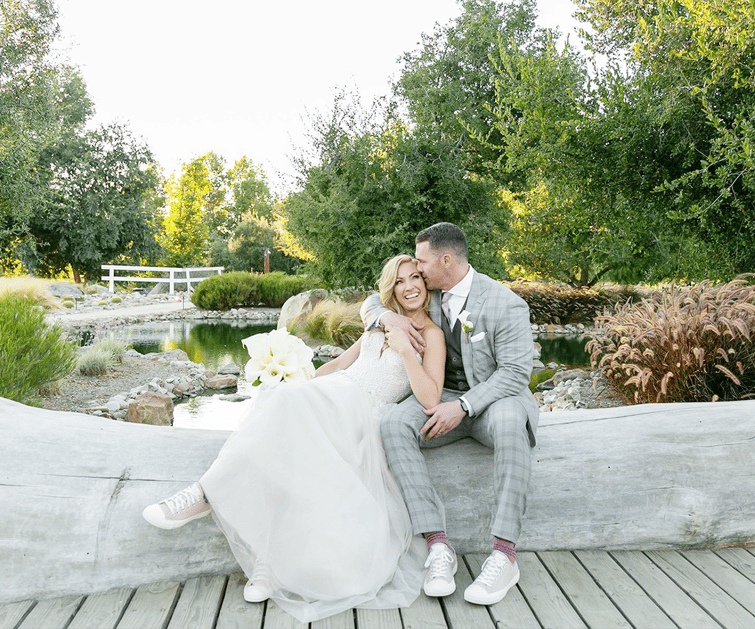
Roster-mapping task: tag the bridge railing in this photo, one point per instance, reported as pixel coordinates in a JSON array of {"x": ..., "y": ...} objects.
[{"x": 171, "y": 275}]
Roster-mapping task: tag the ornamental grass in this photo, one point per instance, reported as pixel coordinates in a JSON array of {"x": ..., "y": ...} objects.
[{"x": 685, "y": 344}]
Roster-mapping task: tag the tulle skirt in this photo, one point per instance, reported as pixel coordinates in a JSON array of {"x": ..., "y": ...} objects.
[{"x": 304, "y": 487}]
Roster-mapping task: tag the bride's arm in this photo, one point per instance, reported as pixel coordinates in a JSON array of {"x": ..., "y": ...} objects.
[
  {"x": 426, "y": 377},
  {"x": 342, "y": 361}
]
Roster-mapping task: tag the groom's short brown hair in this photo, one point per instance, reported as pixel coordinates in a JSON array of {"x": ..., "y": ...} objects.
[{"x": 444, "y": 236}]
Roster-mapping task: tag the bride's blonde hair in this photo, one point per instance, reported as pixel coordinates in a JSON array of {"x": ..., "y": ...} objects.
[{"x": 387, "y": 282}]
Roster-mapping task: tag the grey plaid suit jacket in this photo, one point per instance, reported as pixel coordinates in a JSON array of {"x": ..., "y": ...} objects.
[{"x": 498, "y": 356}]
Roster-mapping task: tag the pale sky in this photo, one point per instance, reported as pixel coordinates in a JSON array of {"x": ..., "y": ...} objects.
[{"x": 238, "y": 77}]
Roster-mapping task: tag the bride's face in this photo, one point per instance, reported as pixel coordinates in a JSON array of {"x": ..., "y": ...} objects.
[{"x": 409, "y": 289}]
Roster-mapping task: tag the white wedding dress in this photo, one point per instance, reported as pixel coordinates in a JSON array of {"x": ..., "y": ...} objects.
[{"x": 304, "y": 487}]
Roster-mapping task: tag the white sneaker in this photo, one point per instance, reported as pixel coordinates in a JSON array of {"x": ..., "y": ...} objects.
[
  {"x": 187, "y": 505},
  {"x": 441, "y": 567},
  {"x": 258, "y": 588},
  {"x": 498, "y": 575}
]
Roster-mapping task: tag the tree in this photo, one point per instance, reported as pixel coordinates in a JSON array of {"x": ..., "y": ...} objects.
[
  {"x": 185, "y": 238},
  {"x": 374, "y": 185},
  {"x": 99, "y": 205}
]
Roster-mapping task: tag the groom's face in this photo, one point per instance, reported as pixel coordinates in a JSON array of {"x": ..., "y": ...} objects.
[{"x": 429, "y": 265}]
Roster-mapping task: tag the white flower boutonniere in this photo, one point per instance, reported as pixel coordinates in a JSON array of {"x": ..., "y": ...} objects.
[
  {"x": 277, "y": 357},
  {"x": 466, "y": 325}
]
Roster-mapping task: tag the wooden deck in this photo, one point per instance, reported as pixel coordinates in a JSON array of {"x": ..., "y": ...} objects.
[{"x": 559, "y": 590}]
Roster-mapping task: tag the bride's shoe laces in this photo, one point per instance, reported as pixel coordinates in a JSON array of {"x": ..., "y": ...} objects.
[
  {"x": 184, "y": 499},
  {"x": 259, "y": 573},
  {"x": 491, "y": 569},
  {"x": 436, "y": 563}
]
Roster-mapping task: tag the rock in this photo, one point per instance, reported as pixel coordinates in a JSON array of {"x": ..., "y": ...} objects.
[
  {"x": 151, "y": 408},
  {"x": 175, "y": 354},
  {"x": 62, "y": 289},
  {"x": 221, "y": 381},
  {"x": 229, "y": 368},
  {"x": 570, "y": 374},
  {"x": 300, "y": 305},
  {"x": 233, "y": 397}
]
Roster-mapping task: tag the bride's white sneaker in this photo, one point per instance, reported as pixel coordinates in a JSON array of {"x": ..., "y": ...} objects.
[
  {"x": 187, "y": 505},
  {"x": 258, "y": 588},
  {"x": 498, "y": 575},
  {"x": 441, "y": 567}
]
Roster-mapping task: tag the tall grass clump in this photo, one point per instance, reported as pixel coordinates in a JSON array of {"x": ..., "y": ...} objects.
[
  {"x": 335, "y": 322},
  {"x": 35, "y": 288},
  {"x": 33, "y": 354},
  {"x": 685, "y": 344},
  {"x": 94, "y": 361}
]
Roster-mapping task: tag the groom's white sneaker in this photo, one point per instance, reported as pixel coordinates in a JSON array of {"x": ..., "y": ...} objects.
[
  {"x": 441, "y": 567},
  {"x": 498, "y": 575}
]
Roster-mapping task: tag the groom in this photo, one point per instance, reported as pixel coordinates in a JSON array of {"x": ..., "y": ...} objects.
[{"x": 485, "y": 396}]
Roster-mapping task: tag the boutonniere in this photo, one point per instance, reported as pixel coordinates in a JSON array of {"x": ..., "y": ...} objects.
[{"x": 466, "y": 325}]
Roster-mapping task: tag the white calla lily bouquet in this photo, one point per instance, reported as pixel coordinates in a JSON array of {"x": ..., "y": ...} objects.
[{"x": 277, "y": 356}]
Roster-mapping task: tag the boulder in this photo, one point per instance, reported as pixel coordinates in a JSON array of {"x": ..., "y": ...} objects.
[
  {"x": 229, "y": 368},
  {"x": 221, "y": 381},
  {"x": 655, "y": 476},
  {"x": 64, "y": 289},
  {"x": 299, "y": 306},
  {"x": 151, "y": 408}
]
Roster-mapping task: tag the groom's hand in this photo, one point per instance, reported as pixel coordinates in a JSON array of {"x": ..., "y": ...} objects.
[
  {"x": 443, "y": 419},
  {"x": 412, "y": 329}
]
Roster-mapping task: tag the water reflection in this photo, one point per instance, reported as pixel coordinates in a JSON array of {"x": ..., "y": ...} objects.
[{"x": 563, "y": 349}]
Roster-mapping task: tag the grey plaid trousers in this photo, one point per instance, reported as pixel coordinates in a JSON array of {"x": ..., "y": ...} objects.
[{"x": 502, "y": 426}]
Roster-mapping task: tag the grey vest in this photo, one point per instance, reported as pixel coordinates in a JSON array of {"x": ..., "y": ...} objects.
[{"x": 455, "y": 377}]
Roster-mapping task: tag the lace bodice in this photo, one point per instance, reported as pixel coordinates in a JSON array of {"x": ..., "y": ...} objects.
[{"x": 381, "y": 374}]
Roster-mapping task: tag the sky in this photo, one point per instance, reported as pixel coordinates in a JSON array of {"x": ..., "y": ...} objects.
[{"x": 240, "y": 77}]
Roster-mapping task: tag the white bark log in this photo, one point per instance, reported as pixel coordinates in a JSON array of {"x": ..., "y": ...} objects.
[{"x": 72, "y": 488}]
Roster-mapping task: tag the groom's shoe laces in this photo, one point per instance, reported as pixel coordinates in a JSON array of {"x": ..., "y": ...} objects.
[
  {"x": 184, "y": 499},
  {"x": 491, "y": 569}
]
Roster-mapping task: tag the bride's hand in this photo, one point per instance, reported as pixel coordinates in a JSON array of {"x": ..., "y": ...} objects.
[
  {"x": 393, "y": 320},
  {"x": 398, "y": 340}
]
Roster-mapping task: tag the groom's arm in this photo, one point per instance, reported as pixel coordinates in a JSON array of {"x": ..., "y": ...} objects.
[{"x": 371, "y": 311}]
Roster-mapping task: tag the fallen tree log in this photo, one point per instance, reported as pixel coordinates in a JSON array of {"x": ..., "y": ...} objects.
[{"x": 72, "y": 488}]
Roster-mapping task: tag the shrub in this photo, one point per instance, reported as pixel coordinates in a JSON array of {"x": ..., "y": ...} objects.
[
  {"x": 94, "y": 361},
  {"x": 67, "y": 304},
  {"x": 240, "y": 289},
  {"x": 685, "y": 344},
  {"x": 32, "y": 353},
  {"x": 555, "y": 303},
  {"x": 116, "y": 300},
  {"x": 115, "y": 347}
]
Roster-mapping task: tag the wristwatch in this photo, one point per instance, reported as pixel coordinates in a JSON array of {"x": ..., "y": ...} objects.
[{"x": 464, "y": 406}]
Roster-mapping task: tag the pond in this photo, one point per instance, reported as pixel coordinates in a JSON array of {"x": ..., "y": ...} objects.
[{"x": 217, "y": 343}]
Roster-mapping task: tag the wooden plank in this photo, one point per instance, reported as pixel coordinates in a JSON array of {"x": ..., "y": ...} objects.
[
  {"x": 708, "y": 595},
  {"x": 544, "y": 596},
  {"x": 591, "y": 603},
  {"x": 344, "y": 620},
  {"x": 55, "y": 613},
  {"x": 235, "y": 612},
  {"x": 740, "y": 559},
  {"x": 736, "y": 585},
  {"x": 12, "y": 613},
  {"x": 151, "y": 606},
  {"x": 512, "y": 612},
  {"x": 276, "y": 618},
  {"x": 102, "y": 610},
  {"x": 670, "y": 597},
  {"x": 424, "y": 613},
  {"x": 199, "y": 604},
  {"x": 460, "y": 613},
  {"x": 378, "y": 619},
  {"x": 629, "y": 597}
]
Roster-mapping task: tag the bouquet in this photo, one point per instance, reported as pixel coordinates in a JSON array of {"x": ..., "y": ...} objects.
[{"x": 277, "y": 356}]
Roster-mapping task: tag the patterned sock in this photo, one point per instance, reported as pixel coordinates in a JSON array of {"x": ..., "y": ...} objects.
[
  {"x": 439, "y": 537},
  {"x": 507, "y": 548}
]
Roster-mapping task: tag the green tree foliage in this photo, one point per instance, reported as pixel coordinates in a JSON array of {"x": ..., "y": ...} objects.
[
  {"x": 374, "y": 185},
  {"x": 99, "y": 204}
]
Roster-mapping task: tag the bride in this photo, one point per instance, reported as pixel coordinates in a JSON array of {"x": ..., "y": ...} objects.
[{"x": 302, "y": 490}]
